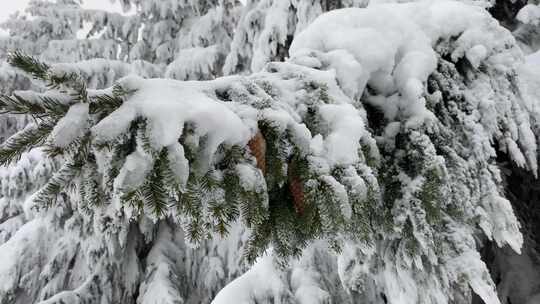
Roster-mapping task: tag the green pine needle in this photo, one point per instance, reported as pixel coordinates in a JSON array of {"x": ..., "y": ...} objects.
[
  {"x": 23, "y": 141},
  {"x": 105, "y": 104},
  {"x": 29, "y": 64},
  {"x": 48, "y": 195},
  {"x": 154, "y": 191},
  {"x": 18, "y": 105}
]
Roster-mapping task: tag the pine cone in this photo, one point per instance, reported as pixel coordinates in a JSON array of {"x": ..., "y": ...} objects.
[
  {"x": 297, "y": 189},
  {"x": 257, "y": 145}
]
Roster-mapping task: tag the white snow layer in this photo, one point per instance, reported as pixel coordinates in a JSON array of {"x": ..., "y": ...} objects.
[
  {"x": 390, "y": 47},
  {"x": 529, "y": 14},
  {"x": 71, "y": 126},
  {"x": 176, "y": 104},
  {"x": 261, "y": 283}
]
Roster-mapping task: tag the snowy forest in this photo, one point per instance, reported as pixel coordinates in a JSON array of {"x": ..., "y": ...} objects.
[{"x": 271, "y": 152}]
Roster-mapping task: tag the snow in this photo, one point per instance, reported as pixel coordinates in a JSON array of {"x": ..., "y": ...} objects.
[
  {"x": 392, "y": 46},
  {"x": 24, "y": 245},
  {"x": 390, "y": 34},
  {"x": 530, "y": 82},
  {"x": 102, "y": 73},
  {"x": 108, "y": 5},
  {"x": 529, "y": 14},
  {"x": 344, "y": 60},
  {"x": 476, "y": 55},
  {"x": 178, "y": 103},
  {"x": 10, "y": 7},
  {"x": 178, "y": 164},
  {"x": 343, "y": 142},
  {"x": 113, "y": 125},
  {"x": 134, "y": 171},
  {"x": 275, "y": 34},
  {"x": 259, "y": 284},
  {"x": 72, "y": 126},
  {"x": 162, "y": 285},
  {"x": 248, "y": 177},
  {"x": 469, "y": 264},
  {"x": 194, "y": 63}
]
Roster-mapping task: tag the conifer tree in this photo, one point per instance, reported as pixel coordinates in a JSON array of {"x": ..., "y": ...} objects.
[
  {"x": 345, "y": 174},
  {"x": 114, "y": 39},
  {"x": 266, "y": 29}
]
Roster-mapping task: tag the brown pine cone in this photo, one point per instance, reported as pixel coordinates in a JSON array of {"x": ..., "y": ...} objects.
[
  {"x": 257, "y": 145},
  {"x": 297, "y": 190}
]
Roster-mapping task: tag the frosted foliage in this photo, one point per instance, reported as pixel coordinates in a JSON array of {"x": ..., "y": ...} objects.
[
  {"x": 530, "y": 14},
  {"x": 528, "y": 31},
  {"x": 175, "y": 32},
  {"x": 162, "y": 32},
  {"x": 530, "y": 83},
  {"x": 165, "y": 266},
  {"x": 100, "y": 73},
  {"x": 266, "y": 28},
  {"x": 195, "y": 64},
  {"x": 16, "y": 182},
  {"x": 427, "y": 39},
  {"x": 399, "y": 110},
  {"x": 311, "y": 279},
  {"x": 179, "y": 103},
  {"x": 51, "y": 29}
]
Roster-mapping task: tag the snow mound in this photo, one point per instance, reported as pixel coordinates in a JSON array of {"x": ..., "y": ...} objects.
[
  {"x": 390, "y": 48},
  {"x": 529, "y": 14},
  {"x": 177, "y": 103}
]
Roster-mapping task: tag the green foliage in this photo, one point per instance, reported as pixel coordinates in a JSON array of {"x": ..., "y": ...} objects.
[
  {"x": 47, "y": 107},
  {"x": 290, "y": 205},
  {"x": 91, "y": 194},
  {"x": 430, "y": 196},
  {"x": 30, "y": 137},
  {"x": 104, "y": 104},
  {"x": 64, "y": 177},
  {"x": 156, "y": 191},
  {"x": 29, "y": 64},
  {"x": 190, "y": 205},
  {"x": 276, "y": 155}
]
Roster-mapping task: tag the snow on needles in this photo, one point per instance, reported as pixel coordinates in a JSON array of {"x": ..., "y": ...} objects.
[
  {"x": 390, "y": 48},
  {"x": 399, "y": 58},
  {"x": 176, "y": 104}
]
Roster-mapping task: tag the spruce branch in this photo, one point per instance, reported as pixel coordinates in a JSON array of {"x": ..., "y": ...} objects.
[
  {"x": 79, "y": 148},
  {"x": 18, "y": 105},
  {"x": 30, "y": 137},
  {"x": 29, "y": 64},
  {"x": 54, "y": 107},
  {"x": 155, "y": 189},
  {"x": 89, "y": 188},
  {"x": 105, "y": 104},
  {"x": 47, "y": 107},
  {"x": 134, "y": 199},
  {"x": 143, "y": 138},
  {"x": 48, "y": 195},
  {"x": 191, "y": 205},
  {"x": 80, "y": 93},
  {"x": 56, "y": 80},
  {"x": 42, "y": 71}
]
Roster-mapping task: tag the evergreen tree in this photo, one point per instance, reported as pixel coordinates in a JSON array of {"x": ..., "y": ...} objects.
[
  {"x": 267, "y": 28},
  {"x": 358, "y": 170},
  {"x": 115, "y": 39}
]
